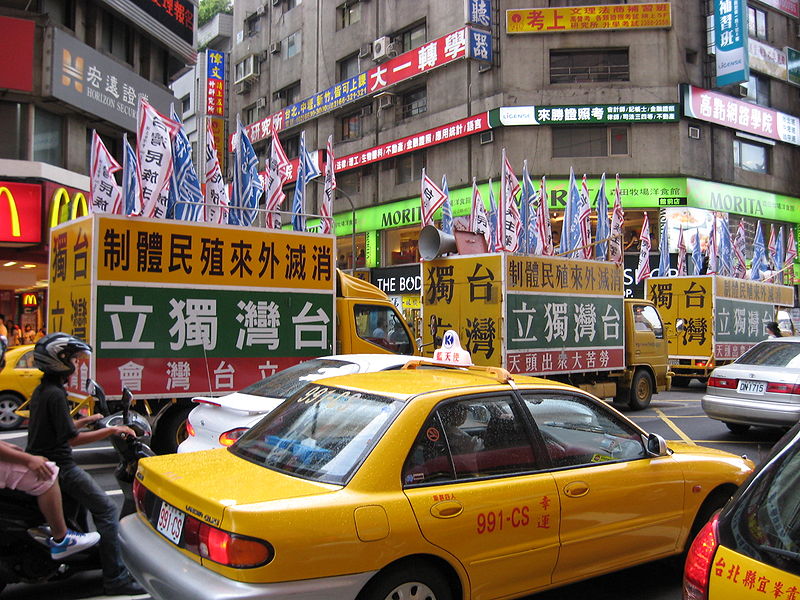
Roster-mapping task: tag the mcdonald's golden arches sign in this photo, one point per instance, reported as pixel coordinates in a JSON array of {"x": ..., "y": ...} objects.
[{"x": 20, "y": 212}]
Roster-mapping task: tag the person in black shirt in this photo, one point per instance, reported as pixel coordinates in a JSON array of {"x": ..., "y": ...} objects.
[{"x": 52, "y": 433}]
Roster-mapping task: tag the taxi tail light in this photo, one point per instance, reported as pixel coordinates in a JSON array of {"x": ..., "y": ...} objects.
[
  {"x": 223, "y": 547},
  {"x": 139, "y": 492},
  {"x": 723, "y": 382},
  {"x": 229, "y": 437},
  {"x": 699, "y": 560},
  {"x": 190, "y": 429},
  {"x": 783, "y": 388}
]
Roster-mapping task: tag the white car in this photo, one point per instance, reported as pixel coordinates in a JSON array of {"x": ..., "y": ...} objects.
[{"x": 219, "y": 422}]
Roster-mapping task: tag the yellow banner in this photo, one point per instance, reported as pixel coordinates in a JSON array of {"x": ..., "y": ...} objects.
[
  {"x": 755, "y": 291},
  {"x": 560, "y": 275},
  {"x": 690, "y": 299},
  {"x": 218, "y": 129},
  {"x": 193, "y": 254},
  {"x": 69, "y": 291},
  {"x": 465, "y": 294},
  {"x": 589, "y": 18}
]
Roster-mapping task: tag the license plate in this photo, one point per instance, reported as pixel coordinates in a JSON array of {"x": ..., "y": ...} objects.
[
  {"x": 751, "y": 387},
  {"x": 170, "y": 522},
  {"x": 674, "y": 361}
]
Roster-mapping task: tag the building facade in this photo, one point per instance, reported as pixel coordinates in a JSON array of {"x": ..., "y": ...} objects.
[
  {"x": 403, "y": 85},
  {"x": 77, "y": 66}
]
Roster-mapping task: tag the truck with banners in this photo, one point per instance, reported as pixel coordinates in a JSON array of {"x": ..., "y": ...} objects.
[
  {"x": 554, "y": 317},
  {"x": 721, "y": 318},
  {"x": 176, "y": 309}
]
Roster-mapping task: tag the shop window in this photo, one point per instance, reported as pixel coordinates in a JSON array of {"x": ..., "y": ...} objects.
[
  {"x": 411, "y": 38},
  {"x": 346, "y": 255},
  {"x": 578, "y": 66},
  {"x": 47, "y": 138},
  {"x": 252, "y": 25},
  {"x": 186, "y": 104},
  {"x": 751, "y": 156},
  {"x": 756, "y": 23},
  {"x": 350, "y": 126},
  {"x": 409, "y": 167},
  {"x": 413, "y": 102},
  {"x": 250, "y": 114},
  {"x": 571, "y": 142},
  {"x": 348, "y": 14},
  {"x": 402, "y": 245},
  {"x": 348, "y": 67},
  {"x": 757, "y": 90}
]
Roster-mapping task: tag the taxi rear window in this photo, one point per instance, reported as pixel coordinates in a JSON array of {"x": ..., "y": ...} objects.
[{"x": 322, "y": 433}]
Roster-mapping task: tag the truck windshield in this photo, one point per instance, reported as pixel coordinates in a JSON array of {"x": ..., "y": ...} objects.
[
  {"x": 322, "y": 433},
  {"x": 285, "y": 383}
]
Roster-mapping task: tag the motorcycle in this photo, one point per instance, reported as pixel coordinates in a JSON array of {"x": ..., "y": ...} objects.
[{"x": 24, "y": 549}]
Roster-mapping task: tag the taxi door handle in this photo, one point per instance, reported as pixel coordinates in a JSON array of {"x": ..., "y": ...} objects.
[
  {"x": 576, "y": 489},
  {"x": 447, "y": 509}
]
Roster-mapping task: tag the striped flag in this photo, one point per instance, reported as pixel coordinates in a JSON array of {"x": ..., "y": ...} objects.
[
  {"x": 478, "y": 219},
  {"x": 509, "y": 223},
  {"x": 740, "y": 266},
  {"x": 216, "y": 194},
  {"x": 186, "y": 197},
  {"x": 526, "y": 214},
  {"x": 711, "y": 248},
  {"x": 277, "y": 173},
  {"x": 759, "y": 263},
  {"x": 791, "y": 253},
  {"x": 584, "y": 222},
  {"x": 154, "y": 153},
  {"x": 493, "y": 229},
  {"x": 663, "y": 251},
  {"x": 771, "y": 247},
  {"x": 104, "y": 191},
  {"x": 328, "y": 193},
  {"x": 681, "y": 253},
  {"x": 543, "y": 229},
  {"x": 131, "y": 188},
  {"x": 615, "y": 252},
  {"x": 643, "y": 269},
  {"x": 697, "y": 255},
  {"x": 431, "y": 198}
]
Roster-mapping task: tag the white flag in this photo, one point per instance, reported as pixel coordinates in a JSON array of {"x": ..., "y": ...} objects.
[
  {"x": 478, "y": 219},
  {"x": 277, "y": 173},
  {"x": 431, "y": 198},
  {"x": 615, "y": 252},
  {"x": 216, "y": 198},
  {"x": 509, "y": 219},
  {"x": 326, "y": 209},
  {"x": 154, "y": 151},
  {"x": 643, "y": 269},
  {"x": 104, "y": 191}
]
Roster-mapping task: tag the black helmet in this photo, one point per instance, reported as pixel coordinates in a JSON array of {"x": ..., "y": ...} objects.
[
  {"x": 3, "y": 348},
  {"x": 54, "y": 352}
]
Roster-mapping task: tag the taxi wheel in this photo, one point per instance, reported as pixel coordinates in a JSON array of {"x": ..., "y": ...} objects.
[
  {"x": 641, "y": 390},
  {"x": 415, "y": 581},
  {"x": 8, "y": 418}
]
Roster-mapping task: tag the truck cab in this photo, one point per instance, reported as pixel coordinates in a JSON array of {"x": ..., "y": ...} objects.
[{"x": 646, "y": 351}]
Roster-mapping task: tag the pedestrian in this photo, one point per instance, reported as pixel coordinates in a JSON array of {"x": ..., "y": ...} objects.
[
  {"x": 773, "y": 331},
  {"x": 3, "y": 328},
  {"x": 37, "y": 476},
  {"x": 14, "y": 335},
  {"x": 39, "y": 335},
  {"x": 27, "y": 335},
  {"x": 52, "y": 433}
]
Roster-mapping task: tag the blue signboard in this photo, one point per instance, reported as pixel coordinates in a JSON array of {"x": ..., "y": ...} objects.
[
  {"x": 335, "y": 96},
  {"x": 216, "y": 64},
  {"x": 480, "y": 45},
  {"x": 479, "y": 12},
  {"x": 730, "y": 41}
]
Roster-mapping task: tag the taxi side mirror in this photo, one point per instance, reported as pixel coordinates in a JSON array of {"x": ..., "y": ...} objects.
[{"x": 656, "y": 445}]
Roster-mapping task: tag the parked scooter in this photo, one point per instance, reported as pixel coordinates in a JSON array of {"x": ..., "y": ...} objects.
[{"x": 24, "y": 551}]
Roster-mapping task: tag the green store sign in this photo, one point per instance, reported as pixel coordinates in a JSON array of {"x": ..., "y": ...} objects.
[{"x": 637, "y": 193}]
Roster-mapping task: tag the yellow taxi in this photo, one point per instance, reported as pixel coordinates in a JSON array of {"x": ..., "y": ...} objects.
[
  {"x": 18, "y": 379},
  {"x": 752, "y": 548},
  {"x": 425, "y": 482}
]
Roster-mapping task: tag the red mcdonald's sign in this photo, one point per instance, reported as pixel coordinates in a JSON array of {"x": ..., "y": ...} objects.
[{"x": 20, "y": 212}]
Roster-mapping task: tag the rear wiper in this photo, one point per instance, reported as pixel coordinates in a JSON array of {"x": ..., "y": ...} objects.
[{"x": 780, "y": 552}]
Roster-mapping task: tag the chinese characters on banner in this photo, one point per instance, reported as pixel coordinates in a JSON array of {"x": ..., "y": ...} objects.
[
  {"x": 215, "y": 83},
  {"x": 589, "y": 18},
  {"x": 730, "y": 41},
  {"x": 187, "y": 308},
  {"x": 559, "y": 316}
]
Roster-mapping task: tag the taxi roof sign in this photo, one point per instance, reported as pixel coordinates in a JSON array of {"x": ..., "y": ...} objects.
[{"x": 451, "y": 352}]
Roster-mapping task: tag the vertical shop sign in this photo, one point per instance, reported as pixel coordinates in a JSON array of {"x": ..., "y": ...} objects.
[
  {"x": 730, "y": 41},
  {"x": 478, "y": 12},
  {"x": 215, "y": 84},
  {"x": 793, "y": 60}
]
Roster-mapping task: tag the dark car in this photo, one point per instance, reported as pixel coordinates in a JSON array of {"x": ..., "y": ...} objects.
[{"x": 751, "y": 549}]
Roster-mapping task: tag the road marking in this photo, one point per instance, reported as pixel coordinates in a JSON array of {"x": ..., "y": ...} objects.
[
  {"x": 12, "y": 435},
  {"x": 113, "y": 492},
  {"x": 674, "y": 427},
  {"x": 92, "y": 448}
]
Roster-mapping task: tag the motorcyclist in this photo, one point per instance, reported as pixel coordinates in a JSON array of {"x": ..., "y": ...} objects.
[
  {"x": 52, "y": 433},
  {"x": 37, "y": 476}
]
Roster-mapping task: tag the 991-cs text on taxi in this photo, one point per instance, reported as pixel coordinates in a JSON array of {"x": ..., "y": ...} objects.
[{"x": 428, "y": 482}]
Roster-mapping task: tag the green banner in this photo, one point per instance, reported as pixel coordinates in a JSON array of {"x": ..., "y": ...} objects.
[
  {"x": 135, "y": 322},
  {"x": 736, "y": 321}
]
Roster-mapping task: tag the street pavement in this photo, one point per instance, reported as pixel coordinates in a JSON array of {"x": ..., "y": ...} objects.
[{"x": 675, "y": 415}]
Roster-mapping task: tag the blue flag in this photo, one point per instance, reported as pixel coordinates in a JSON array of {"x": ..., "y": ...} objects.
[
  {"x": 447, "y": 209},
  {"x": 663, "y": 250},
  {"x": 492, "y": 219},
  {"x": 306, "y": 171},
  {"x": 779, "y": 256},
  {"x": 570, "y": 227},
  {"x": 725, "y": 248},
  {"x": 759, "y": 264},
  {"x": 528, "y": 194},
  {"x": 247, "y": 187},
  {"x": 131, "y": 190},
  {"x": 603, "y": 222},
  {"x": 185, "y": 196},
  {"x": 697, "y": 254}
]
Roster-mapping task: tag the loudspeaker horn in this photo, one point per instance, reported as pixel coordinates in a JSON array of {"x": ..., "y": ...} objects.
[{"x": 433, "y": 242}]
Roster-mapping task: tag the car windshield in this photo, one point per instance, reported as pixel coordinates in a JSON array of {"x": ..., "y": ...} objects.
[
  {"x": 772, "y": 354},
  {"x": 322, "y": 433},
  {"x": 287, "y": 382}
]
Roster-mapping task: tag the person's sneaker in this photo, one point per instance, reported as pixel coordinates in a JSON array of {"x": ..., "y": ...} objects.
[
  {"x": 128, "y": 587},
  {"x": 73, "y": 542}
]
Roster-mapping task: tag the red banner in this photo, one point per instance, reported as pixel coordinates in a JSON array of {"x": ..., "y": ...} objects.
[{"x": 20, "y": 212}]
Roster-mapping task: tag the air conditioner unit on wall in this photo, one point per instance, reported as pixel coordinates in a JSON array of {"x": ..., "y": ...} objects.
[
  {"x": 249, "y": 69},
  {"x": 487, "y": 137},
  {"x": 385, "y": 100},
  {"x": 742, "y": 90},
  {"x": 380, "y": 49},
  {"x": 694, "y": 133},
  {"x": 241, "y": 87},
  {"x": 274, "y": 47}
]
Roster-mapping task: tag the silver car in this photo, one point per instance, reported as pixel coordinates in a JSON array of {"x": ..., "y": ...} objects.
[{"x": 762, "y": 387}]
